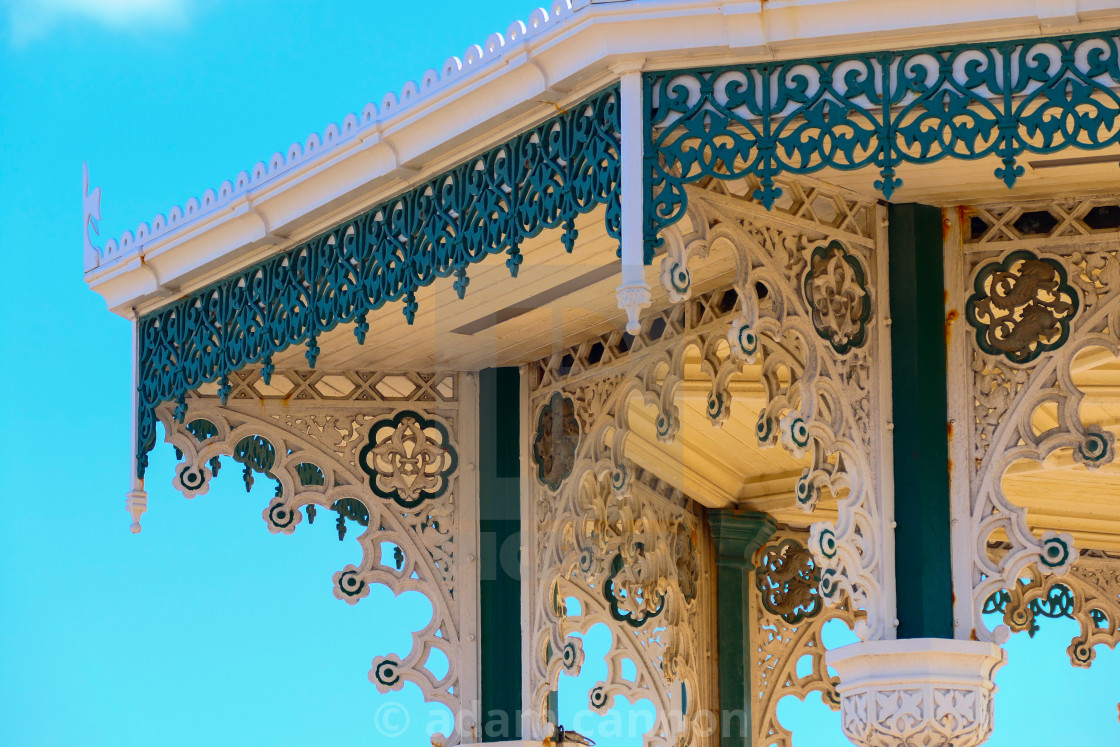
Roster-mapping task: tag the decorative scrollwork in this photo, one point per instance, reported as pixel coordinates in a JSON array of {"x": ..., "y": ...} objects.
[
  {"x": 315, "y": 456},
  {"x": 408, "y": 458},
  {"x": 1022, "y": 306},
  {"x": 787, "y": 579},
  {"x": 1089, "y": 595},
  {"x": 554, "y": 446},
  {"x": 879, "y": 111},
  {"x": 836, "y": 291},
  {"x": 543, "y": 178}
]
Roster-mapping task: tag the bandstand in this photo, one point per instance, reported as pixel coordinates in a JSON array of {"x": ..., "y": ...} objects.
[{"x": 725, "y": 320}]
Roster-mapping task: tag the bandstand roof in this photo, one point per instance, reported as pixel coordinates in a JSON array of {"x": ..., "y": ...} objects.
[{"x": 545, "y": 68}]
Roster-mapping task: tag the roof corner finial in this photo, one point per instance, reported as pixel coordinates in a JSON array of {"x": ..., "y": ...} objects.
[
  {"x": 137, "y": 504},
  {"x": 91, "y": 213}
]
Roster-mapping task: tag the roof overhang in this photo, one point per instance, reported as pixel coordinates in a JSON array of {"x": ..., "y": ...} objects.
[{"x": 501, "y": 88}]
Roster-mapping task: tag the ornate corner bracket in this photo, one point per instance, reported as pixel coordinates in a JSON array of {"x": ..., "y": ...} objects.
[{"x": 917, "y": 692}]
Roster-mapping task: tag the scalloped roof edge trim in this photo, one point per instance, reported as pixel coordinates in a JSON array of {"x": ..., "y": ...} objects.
[{"x": 475, "y": 58}]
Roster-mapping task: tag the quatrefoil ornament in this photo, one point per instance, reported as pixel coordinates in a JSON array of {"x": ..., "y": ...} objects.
[
  {"x": 408, "y": 458},
  {"x": 1022, "y": 306}
]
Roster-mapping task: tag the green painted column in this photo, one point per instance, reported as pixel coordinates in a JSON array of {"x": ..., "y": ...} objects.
[
  {"x": 737, "y": 535},
  {"x": 923, "y": 563},
  {"x": 499, "y": 490}
]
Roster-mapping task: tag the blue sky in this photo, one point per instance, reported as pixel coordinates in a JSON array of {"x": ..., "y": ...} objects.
[{"x": 205, "y": 628}]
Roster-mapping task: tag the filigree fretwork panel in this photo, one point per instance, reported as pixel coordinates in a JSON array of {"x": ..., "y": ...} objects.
[
  {"x": 383, "y": 455},
  {"x": 788, "y": 617},
  {"x": 637, "y": 563},
  {"x": 795, "y": 308},
  {"x": 806, "y": 309},
  {"x": 1037, "y": 284},
  {"x": 1089, "y": 595}
]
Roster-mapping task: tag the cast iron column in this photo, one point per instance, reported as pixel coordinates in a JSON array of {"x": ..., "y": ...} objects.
[
  {"x": 737, "y": 535},
  {"x": 499, "y": 491},
  {"x": 923, "y": 561}
]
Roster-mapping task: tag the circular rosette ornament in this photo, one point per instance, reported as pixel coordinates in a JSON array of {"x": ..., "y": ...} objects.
[
  {"x": 282, "y": 518},
  {"x": 598, "y": 699},
  {"x": 794, "y": 433},
  {"x": 385, "y": 674},
  {"x": 192, "y": 480},
  {"x": 349, "y": 586},
  {"x": 743, "y": 340},
  {"x": 409, "y": 459},
  {"x": 837, "y": 295},
  {"x": 1096, "y": 448},
  {"x": 556, "y": 440},
  {"x": 765, "y": 430},
  {"x": 1057, "y": 553},
  {"x": 717, "y": 408},
  {"x": 806, "y": 492},
  {"x": 676, "y": 279},
  {"x": 822, "y": 541},
  {"x": 573, "y": 656}
]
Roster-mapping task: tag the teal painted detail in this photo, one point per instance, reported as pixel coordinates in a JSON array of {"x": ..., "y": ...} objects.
[
  {"x": 805, "y": 491},
  {"x": 1055, "y": 553},
  {"x": 257, "y": 455},
  {"x": 737, "y": 536},
  {"x": 1021, "y": 306},
  {"x": 202, "y": 429},
  {"x": 875, "y": 110},
  {"x": 919, "y": 371},
  {"x": 350, "y": 584},
  {"x": 1058, "y": 603},
  {"x": 281, "y": 516},
  {"x": 386, "y": 672},
  {"x": 310, "y": 475},
  {"x": 421, "y": 462},
  {"x": 1095, "y": 448},
  {"x": 346, "y": 508},
  {"x": 499, "y": 532},
  {"x": 616, "y": 596},
  {"x": 490, "y": 204},
  {"x": 349, "y": 508}
]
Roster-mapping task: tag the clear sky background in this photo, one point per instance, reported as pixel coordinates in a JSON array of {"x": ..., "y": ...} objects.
[{"x": 205, "y": 628}]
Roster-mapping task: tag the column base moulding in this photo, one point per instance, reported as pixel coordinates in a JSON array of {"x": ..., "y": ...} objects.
[{"x": 918, "y": 692}]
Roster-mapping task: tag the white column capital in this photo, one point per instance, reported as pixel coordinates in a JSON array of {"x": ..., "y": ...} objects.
[{"x": 917, "y": 692}]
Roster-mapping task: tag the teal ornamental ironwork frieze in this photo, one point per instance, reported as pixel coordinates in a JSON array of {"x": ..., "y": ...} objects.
[
  {"x": 876, "y": 110},
  {"x": 488, "y": 205}
]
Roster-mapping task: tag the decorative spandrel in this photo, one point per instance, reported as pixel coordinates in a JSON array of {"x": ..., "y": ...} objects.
[
  {"x": 555, "y": 442},
  {"x": 624, "y": 543},
  {"x": 1022, "y": 306},
  {"x": 788, "y": 651},
  {"x": 1038, "y": 284},
  {"x": 390, "y": 473},
  {"x": 408, "y": 458}
]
